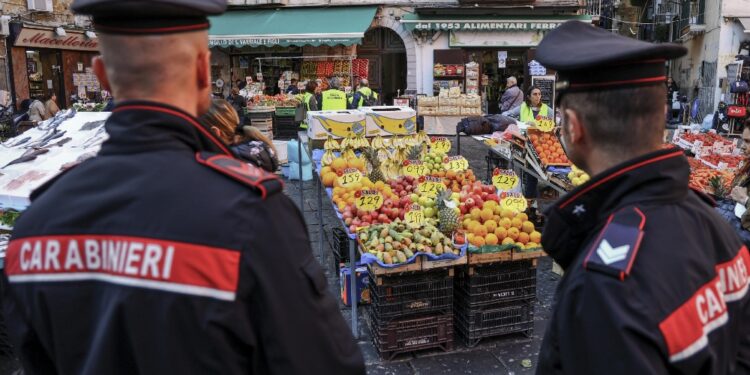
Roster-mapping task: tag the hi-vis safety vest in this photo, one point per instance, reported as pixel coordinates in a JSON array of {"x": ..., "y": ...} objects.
[
  {"x": 333, "y": 100},
  {"x": 527, "y": 115},
  {"x": 365, "y": 92}
]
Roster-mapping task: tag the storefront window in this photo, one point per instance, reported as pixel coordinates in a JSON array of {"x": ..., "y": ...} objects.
[{"x": 44, "y": 71}]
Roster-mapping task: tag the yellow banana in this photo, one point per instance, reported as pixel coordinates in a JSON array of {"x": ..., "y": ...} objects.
[
  {"x": 331, "y": 144},
  {"x": 341, "y": 129},
  {"x": 327, "y": 158},
  {"x": 395, "y": 126}
]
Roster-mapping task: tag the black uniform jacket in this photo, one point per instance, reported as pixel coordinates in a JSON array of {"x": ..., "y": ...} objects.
[
  {"x": 163, "y": 255},
  {"x": 655, "y": 281}
]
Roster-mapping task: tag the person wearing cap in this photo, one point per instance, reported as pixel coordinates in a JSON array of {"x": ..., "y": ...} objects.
[
  {"x": 165, "y": 254},
  {"x": 364, "y": 96},
  {"x": 655, "y": 282},
  {"x": 333, "y": 99}
]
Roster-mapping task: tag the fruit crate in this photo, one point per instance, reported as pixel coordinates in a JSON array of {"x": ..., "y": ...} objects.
[
  {"x": 489, "y": 285},
  {"x": 285, "y": 111},
  {"x": 412, "y": 334},
  {"x": 339, "y": 244},
  {"x": 285, "y": 127},
  {"x": 511, "y": 317},
  {"x": 408, "y": 294}
]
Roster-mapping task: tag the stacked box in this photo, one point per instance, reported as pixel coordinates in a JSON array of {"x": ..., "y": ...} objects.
[
  {"x": 495, "y": 299},
  {"x": 411, "y": 311}
]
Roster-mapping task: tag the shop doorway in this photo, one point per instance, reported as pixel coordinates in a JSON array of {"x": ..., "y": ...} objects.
[
  {"x": 498, "y": 65},
  {"x": 44, "y": 72},
  {"x": 387, "y": 54}
]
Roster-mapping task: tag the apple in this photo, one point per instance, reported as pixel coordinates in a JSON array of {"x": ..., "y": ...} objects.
[
  {"x": 348, "y": 221},
  {"x": 356, "y": 221},
  {"x": 493, "y": 197},
  {"x": 462, "y": 207},
  {"x": 470, "y": 203},
  {"x": 353, "y": 229},
  {"x": 484, "y": 195}
]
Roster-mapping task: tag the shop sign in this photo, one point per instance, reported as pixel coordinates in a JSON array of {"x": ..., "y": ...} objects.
[
  {"x": 488, "y": 25},
  {"x": 505, "y": 40},
  {"x": 279, "y": 41},
  {"x": 41, "y": 38}
]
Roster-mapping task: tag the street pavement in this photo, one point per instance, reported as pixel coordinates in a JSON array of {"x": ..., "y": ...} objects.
[{"x": 513, "y": 354}]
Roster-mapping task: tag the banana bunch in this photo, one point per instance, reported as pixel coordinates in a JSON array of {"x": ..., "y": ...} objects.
[
  {"x": 402, "y": 154},
  {"x": 347, "y": 142},
  {"x": 411, "y": 140},
  {"x": 378, "y": 143},
  {"x": 397, "y": 142},
  {"x": 331, "y": 144},
  {"x": 423, "y": 137},
  {"x": 327, "y": 159},
  {"x": 361, "y": 142},
  {"x": 391, "y": 169},
  {"x": 348, "y": 154}
]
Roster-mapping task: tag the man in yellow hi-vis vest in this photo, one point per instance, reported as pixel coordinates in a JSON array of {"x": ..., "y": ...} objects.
[
  {"x": 364, "y": 96},
  {"x": 333, "y": 99}
]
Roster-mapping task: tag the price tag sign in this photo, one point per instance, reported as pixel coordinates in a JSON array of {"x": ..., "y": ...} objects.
[
  {"x": 430, "y": 186},
  {"x": 505, "y": 180},
  {"x": 441, "y": 145},
  {"x": 415, "y": 216},
  {"x": 414, "y": 168},
  {"x": 545, "y": 124},
  {"x": 368, "y": 200},
  {"x": 350, "y": 176},
  {"x": 456, "y": 164},
  {"x": 514, "y": 201}
]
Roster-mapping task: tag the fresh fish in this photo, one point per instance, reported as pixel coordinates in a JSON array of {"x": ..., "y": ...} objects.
[
  {"x": 91, "y": 125},
  {"x": 51, "y": 138},
  {"x": 62, "y": 142},
  {"x": 20, "y": 142},
  {"x": 29, "y": 155}
]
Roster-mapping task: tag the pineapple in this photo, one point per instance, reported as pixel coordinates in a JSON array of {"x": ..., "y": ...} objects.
[
  {"x": 447, "y": 216},
  {"x": 376, "y": 174},
  {"x": 414, "y": 153},
  {"x": 716, "y": 184}
]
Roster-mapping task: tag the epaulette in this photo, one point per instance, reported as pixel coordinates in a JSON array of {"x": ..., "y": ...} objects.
[
  {"x": 616, "y": 247},
  {"x": 248, "y": 174}
]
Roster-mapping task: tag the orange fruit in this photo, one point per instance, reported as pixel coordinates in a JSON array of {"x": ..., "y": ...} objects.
[
  {"x": 522, "y": 216},
  {"x": 508, "y": 213},
  {"x": 486, "y": 214},
  {"x": 513, "y": 233},
  {"x": 523, "y": 238},
  {"x": 491, "y": 239},
  {"x": 480, "y": 230},
  {"x": 535, "y": 237},
  {"x": 470, "y": 237},
  {"x": 338, "y": 164},
  {"x": 329, "y": 179},
  {"x": 478, "y": 241},
  {"x": 505, "y": 223},
  {"x": 475, "y": 213},
  {"x": 498, "y": 210},
  {"x": 508, "y": 241},
  {"x": 516, "y": 223},
  {"x": 532, "y": 245},
  {"x": 325, "y": 170},
  {"x": 501, "y": 232},
  {"x": 490, "y": 204},
  {"x": 527, "y": 226},
  {"x": 491, "y": 225}
]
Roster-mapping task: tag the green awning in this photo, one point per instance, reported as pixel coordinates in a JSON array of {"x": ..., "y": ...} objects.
[
  {"x": 291, "y": 27},
  {"x": 485, "y": 23}
]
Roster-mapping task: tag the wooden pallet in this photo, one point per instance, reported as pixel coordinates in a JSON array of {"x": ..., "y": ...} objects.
[{"x": 436, "y": 264}]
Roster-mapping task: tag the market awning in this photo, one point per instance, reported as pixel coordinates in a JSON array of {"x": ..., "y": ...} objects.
[
  {"x": 291, "y": 27},
  {"x": 485, "y": 23},
  {"x": 745, "y": 21}
]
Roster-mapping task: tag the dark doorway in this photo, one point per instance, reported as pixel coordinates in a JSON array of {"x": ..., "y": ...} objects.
[{"x": 387, "y": 54}]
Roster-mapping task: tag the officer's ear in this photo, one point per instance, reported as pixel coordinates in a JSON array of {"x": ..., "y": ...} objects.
[
  {"x": 97, "y": 64},
  {"x": 574, "y": 127},
  {"x": 204, "y": 69}
]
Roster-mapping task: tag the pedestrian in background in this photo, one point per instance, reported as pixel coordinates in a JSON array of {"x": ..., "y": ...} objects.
[
  {"x": 334, "y": 99},
  {"x": 646, "y": 259},
  {"x": 512, "y": 97},
  {"x": 164, "y": 254},
  {"x": 37, "y": 110},
  {"x": 238, "y": 102},
  {"x": 50, "y": 105}
]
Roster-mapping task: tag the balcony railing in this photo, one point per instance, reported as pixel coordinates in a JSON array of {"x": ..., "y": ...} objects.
[
  {"x": 593, "y": 8},
  {"x": 692, "y": 18}
]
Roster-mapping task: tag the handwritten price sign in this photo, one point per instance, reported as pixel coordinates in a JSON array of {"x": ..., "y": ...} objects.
[
  {"x": 415, "y": 216},
  {"x": 430, "y": 186},
  {"x": 414, "y": 168},
  {"x": 505, "y": 180},
  {"x": 368, "y": 200},
  {"x": 441, "y": 145},
  {"x": 456, "y": 164},
  {"x": 350, "y": 176},
  {"x": 545, "y": 124},
  {"x": 515, "y": 202}
]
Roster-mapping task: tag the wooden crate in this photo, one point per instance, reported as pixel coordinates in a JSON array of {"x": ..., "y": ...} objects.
[
  {"x": 435, "y": 264},
  {"x": 376, "y": 269},
  {"x": 502, "y": 256},
  {"x": 519, "y": 255}
]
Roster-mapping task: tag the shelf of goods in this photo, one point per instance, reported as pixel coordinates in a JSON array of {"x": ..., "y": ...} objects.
[
  {"x": 442, "y": 113},
  {"x": 715, "y": 163},
  {"x": 340, "y": 68},
  {"x": 419, "y": 217}
]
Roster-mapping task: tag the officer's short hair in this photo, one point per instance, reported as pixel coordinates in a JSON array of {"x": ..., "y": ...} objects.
[
  {"x": 334, "y": 83},
  {"x": 623, "y": 119}
]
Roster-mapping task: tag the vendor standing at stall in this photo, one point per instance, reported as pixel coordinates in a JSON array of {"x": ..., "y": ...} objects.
[
  {"x": 741, "y": 181},
  {"x": 310, "y": 100}
]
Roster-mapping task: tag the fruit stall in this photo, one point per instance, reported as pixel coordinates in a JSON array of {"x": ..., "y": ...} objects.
[{"x": 437, "y": 253}]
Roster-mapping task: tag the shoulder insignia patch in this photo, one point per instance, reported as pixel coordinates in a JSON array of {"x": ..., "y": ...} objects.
[
  {"x": 616, "y": 247},
  {"x": 267, "y": 183}
]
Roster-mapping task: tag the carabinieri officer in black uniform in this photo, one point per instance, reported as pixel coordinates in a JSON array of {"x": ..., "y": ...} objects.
[
  {"x": 165, "y": 254},
  {"x": 655, "y": 282}
]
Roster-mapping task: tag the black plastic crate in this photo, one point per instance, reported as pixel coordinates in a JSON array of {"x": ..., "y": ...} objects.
[
  {"x": 412, "y": 334},
  {"x": 485, "y": 286},
  {"x": 409, "y": 294},
  {"x": 512, "y": 317},
  {"x": 285, "y": 127},
  {"x": 339, "y": 243}
]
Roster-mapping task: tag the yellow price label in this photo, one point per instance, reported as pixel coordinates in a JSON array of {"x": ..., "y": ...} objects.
[
  {"x": 368, "y": 200},
  {"x": 456, "y": 164},
  {"x": 515, "y": 202},
  {"x": 414, "y": 168},
  {"x": 430, "y": 187},
  {"x": 415, "y": 216},
  {"x": 545, "y": 124},
  {"x": 350, "y": 176},
  {"x": 441, "y": 145},
  {"x": 505, "y": 180}
]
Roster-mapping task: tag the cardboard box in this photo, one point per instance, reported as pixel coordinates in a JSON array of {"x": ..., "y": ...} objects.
[
  {"x": 338, "y": 124},
  {"x": 363, "y": 291},
  {"x": 388, "y": 121}
]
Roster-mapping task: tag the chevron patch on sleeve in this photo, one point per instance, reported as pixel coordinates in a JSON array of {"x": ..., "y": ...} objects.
[{"x": 616, "y": 247}]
